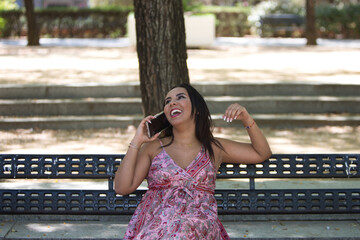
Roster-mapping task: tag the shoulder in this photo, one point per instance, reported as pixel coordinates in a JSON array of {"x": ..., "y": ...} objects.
[
  {"x": 218, "y": 149},
  {"x": 153, "y": 148}
]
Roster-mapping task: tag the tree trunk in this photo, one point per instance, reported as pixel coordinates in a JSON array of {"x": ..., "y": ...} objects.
[
  {"x": 161, "y": 49},
  {"x": 33, "y": 36},
  {"x": 310, "y": 22}
]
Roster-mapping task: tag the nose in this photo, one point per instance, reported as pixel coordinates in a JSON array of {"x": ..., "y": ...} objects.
[{"x": 172, "y": 103}]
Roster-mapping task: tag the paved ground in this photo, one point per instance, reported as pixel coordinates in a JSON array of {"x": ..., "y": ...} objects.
[
  {"x": 230, "y": 59},
  {"x": 305, "y": 140},
  {"x": 114, "y": 228}
]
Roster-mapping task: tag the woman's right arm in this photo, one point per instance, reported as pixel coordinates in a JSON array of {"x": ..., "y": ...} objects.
[{"x": 136, "y": 164}]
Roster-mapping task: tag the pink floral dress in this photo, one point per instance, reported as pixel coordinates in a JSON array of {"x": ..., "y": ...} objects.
[{"x": 180, "y": 203}]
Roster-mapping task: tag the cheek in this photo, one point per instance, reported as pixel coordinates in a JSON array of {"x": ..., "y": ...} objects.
[
  {"x": 166, "y": 110},
  {"x": 166, "y": 106},
  {"x": 188, "y": 106}
]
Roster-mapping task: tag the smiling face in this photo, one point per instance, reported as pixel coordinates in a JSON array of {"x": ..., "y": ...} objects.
[{"x": 177, "y": 105}]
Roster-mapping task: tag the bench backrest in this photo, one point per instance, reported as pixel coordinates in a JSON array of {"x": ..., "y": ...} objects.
[
  {"x": 229, "y": 200},
  {"x": 282, "y": 19}
]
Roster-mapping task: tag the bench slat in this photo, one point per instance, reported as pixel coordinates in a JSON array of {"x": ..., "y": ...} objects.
[
  {"x": 276, "y": 201},
  {"x": 104, "y": 166},
  {"x": 297, "y": 166}
]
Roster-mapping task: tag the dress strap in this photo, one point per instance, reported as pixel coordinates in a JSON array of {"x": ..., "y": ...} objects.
[{"x": 161, "y": 144}]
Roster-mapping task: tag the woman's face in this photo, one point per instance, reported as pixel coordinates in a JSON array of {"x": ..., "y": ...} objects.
[{"x": 177, "y": 106}]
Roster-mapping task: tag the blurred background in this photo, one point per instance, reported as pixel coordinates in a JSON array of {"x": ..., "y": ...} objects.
[
  {"x": 237, "y": 18},
  {"x": 76, "y": 89}
]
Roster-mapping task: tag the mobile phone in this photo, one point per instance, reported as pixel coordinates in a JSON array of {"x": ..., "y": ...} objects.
[{"x": 157, "y": 124}]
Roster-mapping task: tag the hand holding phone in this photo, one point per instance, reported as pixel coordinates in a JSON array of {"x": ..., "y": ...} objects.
[{"x": 158, "y": 124}]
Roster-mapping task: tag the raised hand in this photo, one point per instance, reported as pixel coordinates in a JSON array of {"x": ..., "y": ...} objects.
[
  {"x": 141, "y": 135},
  {"x": 236, "y": 112}
]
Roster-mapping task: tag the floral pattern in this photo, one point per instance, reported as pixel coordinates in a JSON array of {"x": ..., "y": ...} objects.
[{"x": 180, "y": 203}]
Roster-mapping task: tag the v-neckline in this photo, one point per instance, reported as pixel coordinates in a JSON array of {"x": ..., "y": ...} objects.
[{"x": 190, "y": 164}]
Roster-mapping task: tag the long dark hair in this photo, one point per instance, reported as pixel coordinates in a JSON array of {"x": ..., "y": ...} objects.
[{"x": 203, "y": 121}]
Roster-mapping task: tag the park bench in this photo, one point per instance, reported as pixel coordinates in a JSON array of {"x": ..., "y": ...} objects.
[
  {"x": 282, "y": 25},
  {"x": 252, "y": 200}
]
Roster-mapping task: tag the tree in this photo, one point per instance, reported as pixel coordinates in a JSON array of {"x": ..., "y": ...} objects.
[
  {"x": 310, "y": 22},
  {"x": 161, "y": 49},
  {"x": 33, "y": 35}
]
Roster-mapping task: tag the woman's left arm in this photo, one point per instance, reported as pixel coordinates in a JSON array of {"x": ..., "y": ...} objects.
[{"x": 235, "y": 152}]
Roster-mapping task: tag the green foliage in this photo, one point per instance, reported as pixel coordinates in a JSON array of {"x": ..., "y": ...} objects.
[
  {"x": 10, "y": 22},
  {"x": 118, "y": 3},
  {"x": 191, "y": 5},
  {"x": 110, "y": 21},
  {"x": 289, "y": 7},
  {"x": 101, "y": 9},
  {"x": 339, "y": 19},
  {"x": 329, "y": 18},
  {"x": 71, "y": 22},
  {"x": 230, "y": 21},
  {"x": 2, "y": 26},
  {"x": 279, "y": 7},
  {"x": 7, "y": 4},
  {"x": 216, "y": 9},
  {"x": 352, "y": 19}
]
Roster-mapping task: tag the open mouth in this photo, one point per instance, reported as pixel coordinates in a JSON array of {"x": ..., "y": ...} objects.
[{"x": 175, "y": 112}]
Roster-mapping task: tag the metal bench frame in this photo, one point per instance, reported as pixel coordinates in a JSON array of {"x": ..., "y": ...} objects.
[{"x": 230, "y": 201}]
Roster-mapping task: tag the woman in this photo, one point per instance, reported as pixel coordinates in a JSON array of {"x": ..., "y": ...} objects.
[{"x": 181, "y": 169}]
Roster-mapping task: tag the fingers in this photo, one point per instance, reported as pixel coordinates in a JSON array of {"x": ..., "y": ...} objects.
[
  {"x": 235, "y": 111},
  {"x": 143, "y": 129},
  {"x": 141, "y": 135},
  {"x": 148, "y": 119},
  {"x": 154, "y": 137},
  {"x": 232, "y": 112}
]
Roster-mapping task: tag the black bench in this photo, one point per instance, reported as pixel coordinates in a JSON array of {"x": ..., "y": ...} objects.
[
  {"x": 282, "y": 25},
  {"x": 230, "y": 201}
]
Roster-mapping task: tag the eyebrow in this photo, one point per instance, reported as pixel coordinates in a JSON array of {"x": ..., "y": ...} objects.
[{"x": 179, "y": 94}]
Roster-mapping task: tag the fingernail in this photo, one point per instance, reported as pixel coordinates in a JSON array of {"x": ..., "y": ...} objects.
[
  {"x": 224, "y": 118},
  {"x": 231, "y": 119}
]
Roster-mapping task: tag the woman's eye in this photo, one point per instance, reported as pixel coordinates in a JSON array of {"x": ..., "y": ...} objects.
[{"x": 167, "y": 102}]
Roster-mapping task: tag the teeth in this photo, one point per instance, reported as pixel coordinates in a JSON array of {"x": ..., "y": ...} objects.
[{"x": 175, "y": 111}]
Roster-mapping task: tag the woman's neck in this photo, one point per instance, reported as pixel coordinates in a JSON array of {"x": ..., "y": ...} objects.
[{"x": 185, "y": 138}]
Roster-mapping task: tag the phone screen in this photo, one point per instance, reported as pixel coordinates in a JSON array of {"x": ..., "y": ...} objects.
[{"x": 157, "y": 124}]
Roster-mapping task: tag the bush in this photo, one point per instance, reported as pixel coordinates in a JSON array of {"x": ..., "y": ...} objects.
[
  {"x": 351, "y": 21},
  {"x": 230, "y": 21},
  {"x": 338, "y": 20},
  {"x": 2, "y": 26},
  {"x": 69, "y": 22},
  {"x": 5, "y": 5},
  {"x": 328, "y": 19},
  {"x": 101, "y": 22}
]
